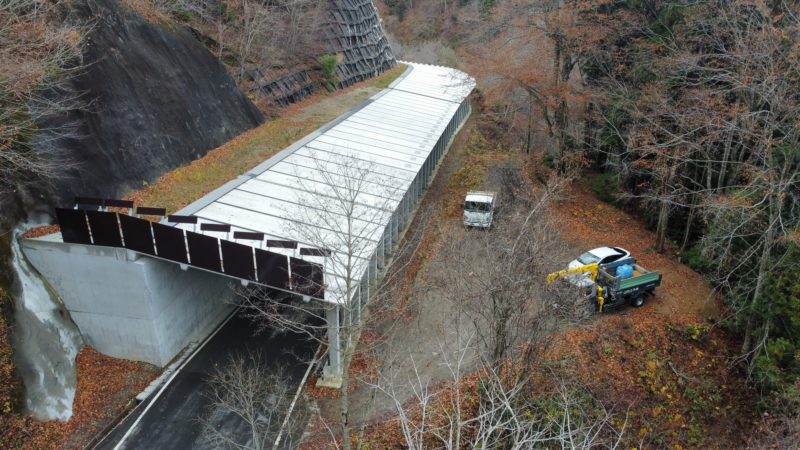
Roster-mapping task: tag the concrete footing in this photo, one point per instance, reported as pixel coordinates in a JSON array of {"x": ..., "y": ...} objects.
[{"x": 129, "y": 306}]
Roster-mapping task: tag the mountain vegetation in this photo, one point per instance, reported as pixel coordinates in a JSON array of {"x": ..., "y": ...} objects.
[
  {"x": 684, "y": 113},
  {"x": 40, "y": 50},
  {"x": 246, "y": 34}
]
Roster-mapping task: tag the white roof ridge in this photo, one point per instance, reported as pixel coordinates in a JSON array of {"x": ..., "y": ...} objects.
[{"x": 444, "y": 90}]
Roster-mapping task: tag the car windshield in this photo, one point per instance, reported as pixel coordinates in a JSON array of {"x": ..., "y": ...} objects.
[
  {"x": 588, "y": 258},
  {"x": 477, "y": 207}
]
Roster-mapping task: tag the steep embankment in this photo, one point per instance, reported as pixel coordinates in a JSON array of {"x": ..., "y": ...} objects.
[
  {"x": 155, "y": 97},
  {"x": 152, "y": 98}
]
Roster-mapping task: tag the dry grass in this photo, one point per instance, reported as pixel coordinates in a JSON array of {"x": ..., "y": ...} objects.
[{"x": 186, "y": 184}]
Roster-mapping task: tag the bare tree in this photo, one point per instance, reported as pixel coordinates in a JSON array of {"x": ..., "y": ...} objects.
[
  {"x": 759, "y": 71},
  {"x": 40, "y": 53},
  {"x": 277, "y": 34},
  {"x": 419, "y": 401},
  {"x": 500, "y": 310},
  {"x": 347, "y": 209},
  {"x": 253, "y": 33},
  {"x": 248, "y": 403},
  {"x": 780, "y": 428},
  {"x": 498, "y": 278},
  {"x": 528, "y": 57},
  {"x": 492, "y": 407}
]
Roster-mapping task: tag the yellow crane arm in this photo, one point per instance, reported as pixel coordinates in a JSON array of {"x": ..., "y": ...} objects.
[{"x": 590, "y": 268}]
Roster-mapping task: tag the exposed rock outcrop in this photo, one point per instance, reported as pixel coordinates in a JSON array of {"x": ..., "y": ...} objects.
[{"x": 156, "y": 99}]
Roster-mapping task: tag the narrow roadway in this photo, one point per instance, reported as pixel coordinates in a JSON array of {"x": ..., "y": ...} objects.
[{"x": 170, "y": 420}]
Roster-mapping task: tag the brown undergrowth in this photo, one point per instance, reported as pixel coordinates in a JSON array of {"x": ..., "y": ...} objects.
[
  {"x": 666, "y": 371},
  {"x": 105, "y": 387}
]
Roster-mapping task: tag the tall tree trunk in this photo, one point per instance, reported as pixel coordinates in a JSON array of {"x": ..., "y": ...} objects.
[
  {"x": 661, "y": 227},
  {"x": 688, "y": 229},
  {"x": 529, "y": 131},
  {"x": 663, "y": 210},
  {"x": 558, "y": 46},
  {"x": 763, "y": 265},
  {"x": 344, "y": 406},
  {"x": 723, "y": 167},
  {"x": 562, "y": 122},
  {"x": 766, "y": 252}
]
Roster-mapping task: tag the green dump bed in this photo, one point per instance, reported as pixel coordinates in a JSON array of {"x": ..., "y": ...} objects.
[
  {"x": 644, "y": 278},
  {"x": 641, "y": 281}
]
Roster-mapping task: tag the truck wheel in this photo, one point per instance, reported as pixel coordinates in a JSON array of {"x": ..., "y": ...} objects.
[{"x": 638, "y": 300}]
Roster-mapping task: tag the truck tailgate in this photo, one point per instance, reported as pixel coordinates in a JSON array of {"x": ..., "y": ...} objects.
[{"x": 644, "y": 278}]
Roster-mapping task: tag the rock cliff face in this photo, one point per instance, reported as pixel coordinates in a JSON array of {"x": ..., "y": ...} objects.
[{"x": 156, "y": 99}]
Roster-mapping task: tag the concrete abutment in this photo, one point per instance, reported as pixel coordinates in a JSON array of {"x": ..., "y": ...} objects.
[{"x": 129, "y": 306}]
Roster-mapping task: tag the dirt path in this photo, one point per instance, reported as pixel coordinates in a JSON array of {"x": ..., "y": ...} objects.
[
  {"x": 590, "y": 223},
  {"x": 426, "y": 327},
  {"x": 416, "y": 332},
  {"x": 414, "y": 347}
]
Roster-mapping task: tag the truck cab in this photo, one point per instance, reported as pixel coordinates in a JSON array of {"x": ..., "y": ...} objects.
[{"x": 479, "y": 209}]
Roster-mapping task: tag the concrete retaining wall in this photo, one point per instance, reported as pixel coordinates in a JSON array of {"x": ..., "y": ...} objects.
[{"x": 128, "y": 306}]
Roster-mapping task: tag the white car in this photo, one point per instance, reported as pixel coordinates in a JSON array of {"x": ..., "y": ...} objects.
[{"x": 600, "y": 255}]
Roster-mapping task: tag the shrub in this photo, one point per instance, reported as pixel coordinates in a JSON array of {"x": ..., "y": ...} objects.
[
  {"x": 694, "y": 258},
  {"x": 486, "y": 6},
  {"x": 182, "y": 14},
  {"x": 604, "y": 187},
  {"x": 697, "y": 331},
  {"x": 549, "y": 160},
  {"x": 328, "y": 65},
  {"x": 470, "y": 177}
]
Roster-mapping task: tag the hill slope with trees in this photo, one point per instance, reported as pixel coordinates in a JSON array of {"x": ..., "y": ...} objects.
[{"x": 683, "y": 113}]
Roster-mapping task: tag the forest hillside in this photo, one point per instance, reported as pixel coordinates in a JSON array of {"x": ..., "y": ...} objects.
[{"x": 685, "y": 114}]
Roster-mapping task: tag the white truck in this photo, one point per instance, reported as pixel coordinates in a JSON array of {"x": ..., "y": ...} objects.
[{"x": 479, "y": 208}]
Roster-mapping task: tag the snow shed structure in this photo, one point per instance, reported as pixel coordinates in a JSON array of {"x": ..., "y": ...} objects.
[{"x": 338, "y": 199}]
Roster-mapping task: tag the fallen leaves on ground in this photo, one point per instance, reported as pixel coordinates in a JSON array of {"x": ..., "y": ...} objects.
[
  {"x": 40, "y": 231},
  {"x": 666, "y": 362},
  {"x": 106, "y": 387},
  {"x": 684, "y": 295}
]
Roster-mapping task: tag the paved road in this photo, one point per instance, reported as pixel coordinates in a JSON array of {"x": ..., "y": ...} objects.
[{"x": 170, "y": 422}]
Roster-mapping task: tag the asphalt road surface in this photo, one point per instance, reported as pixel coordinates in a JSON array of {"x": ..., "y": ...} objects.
[{"x": 170, "y": 421}]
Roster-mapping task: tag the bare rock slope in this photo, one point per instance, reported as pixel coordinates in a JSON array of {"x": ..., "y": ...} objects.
[{"x": 156, "y": 99}]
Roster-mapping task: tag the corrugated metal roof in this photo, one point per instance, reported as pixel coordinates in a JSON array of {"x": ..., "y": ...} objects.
[{"x": 287, "y": 197}]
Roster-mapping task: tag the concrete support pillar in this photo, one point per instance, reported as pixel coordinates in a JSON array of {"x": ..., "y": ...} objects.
[
  {"x": 364, "y": 291},
  {"x": 373, "y": 269},
  {"x": 356, "y": 306},
  {"x": 380, "y": 254},
  {"x": 396, "y": 225},
  {"x": 332, "y": 372},
  {"x": 403, "y": 210},
  {"x": 387, "y": 240}
]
